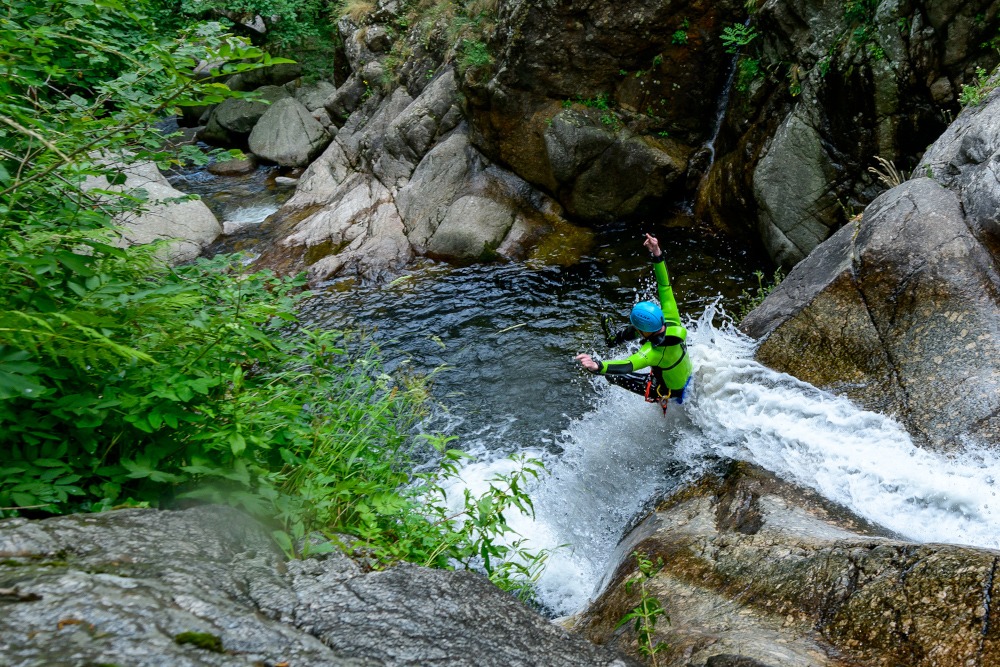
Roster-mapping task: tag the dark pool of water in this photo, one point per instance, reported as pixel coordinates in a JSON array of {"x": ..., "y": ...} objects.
[{"x": 502, "y": 336}]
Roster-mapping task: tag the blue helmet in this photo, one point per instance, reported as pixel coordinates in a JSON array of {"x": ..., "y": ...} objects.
[{"x": 646, "y": 316}]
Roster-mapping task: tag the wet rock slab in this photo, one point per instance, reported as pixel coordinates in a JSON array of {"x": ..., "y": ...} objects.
[
  {"x": 756, "y": 569},
  {"x": 205, "y": 586}
]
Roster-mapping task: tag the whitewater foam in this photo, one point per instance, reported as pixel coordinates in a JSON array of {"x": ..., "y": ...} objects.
[{"x": 624, "y": 452}]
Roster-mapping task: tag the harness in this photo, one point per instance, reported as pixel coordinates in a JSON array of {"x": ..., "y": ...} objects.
[{"x": 660, "y": 398}]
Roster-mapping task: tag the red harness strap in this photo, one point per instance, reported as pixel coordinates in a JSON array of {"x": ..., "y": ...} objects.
[{"x": 660, "y": 398}]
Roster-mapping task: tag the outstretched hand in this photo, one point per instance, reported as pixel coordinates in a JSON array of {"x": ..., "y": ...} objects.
[
  {"x": 587, "y": 362},
  {"x": 652, "y": 245}
]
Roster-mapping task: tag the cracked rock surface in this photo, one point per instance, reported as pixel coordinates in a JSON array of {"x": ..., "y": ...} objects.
[
  {"x": 206, "y": 586},
  {"x": 760, "y": 572},
  {"x": 901, "y": 310}
]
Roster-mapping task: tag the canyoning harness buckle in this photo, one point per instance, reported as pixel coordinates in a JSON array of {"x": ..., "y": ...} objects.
[{"x": 658, "y": 397}]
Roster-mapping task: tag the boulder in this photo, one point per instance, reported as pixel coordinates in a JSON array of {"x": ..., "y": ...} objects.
[
  {"x": 272, "y": 75},
  {"x": 604, "y": 174},
  {"x": 206, "y": 586},
  {"x": 903, "y": 304},
  {"x": 759, "y": 572},
  {"x": 793, "y": 187},
  {"x": 473, "y": 228},
  {"x": 288, "y": 135},
  {"x": 313, "y": 95},
  {"x": 235, "y": 167},
  {"x": 401, "y": 180},
  {"x": 185, "y": 223},
  {"x": 966, "y": 159},
  {"x": 231, "y": 122}
]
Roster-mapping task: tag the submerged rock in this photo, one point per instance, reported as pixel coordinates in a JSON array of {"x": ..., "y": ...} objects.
[
  {"x": 206, "y": 587},
  {"x": 760, "y": 572}
]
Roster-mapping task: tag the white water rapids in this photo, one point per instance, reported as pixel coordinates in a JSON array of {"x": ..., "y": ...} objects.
[{"x": 623, "y": 452}]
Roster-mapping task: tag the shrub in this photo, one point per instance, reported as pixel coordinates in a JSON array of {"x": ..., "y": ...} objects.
[
  {"x": 750, "y": 299},
  {"x": 127, "y": 382},
  {"x": 736, "y": 36}
]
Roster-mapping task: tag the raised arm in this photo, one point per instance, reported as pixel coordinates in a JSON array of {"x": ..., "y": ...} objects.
[{"x": 668, "y": 303}]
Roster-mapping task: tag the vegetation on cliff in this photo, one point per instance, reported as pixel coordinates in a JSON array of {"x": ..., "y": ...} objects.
[{"x": 125, "y": 382}]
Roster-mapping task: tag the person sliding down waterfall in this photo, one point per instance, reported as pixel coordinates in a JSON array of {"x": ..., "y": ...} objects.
[{"x": 663, "y": 349}]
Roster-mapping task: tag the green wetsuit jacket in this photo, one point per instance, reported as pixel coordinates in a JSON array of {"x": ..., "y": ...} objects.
[{"x": 664, "y": 353}]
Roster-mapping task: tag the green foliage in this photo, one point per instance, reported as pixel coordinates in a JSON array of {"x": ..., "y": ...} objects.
[
  {"x": 680, "y": 35},
  {"x": 287, "y": 22},
  {"x": 751, "y": 299},
  {"x": 860, "y": 11},
  {"x": 202, "y": 640},
  {"x": 974, "y": 93},
  {"x": 645, "y": 615},
  {"x": 737, "y": 36},
  {"x": 126, "y": 382},
  {"x": 824, "y": 66},
  {"x": 474, "y": 54},
  {"x": 748, "y": 70}
]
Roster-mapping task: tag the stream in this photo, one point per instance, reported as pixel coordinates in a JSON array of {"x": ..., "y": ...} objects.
[{"x": 499, "y": 341}]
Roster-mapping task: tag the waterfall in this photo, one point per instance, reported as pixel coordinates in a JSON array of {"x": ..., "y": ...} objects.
[{"x": 624, "y": 452}]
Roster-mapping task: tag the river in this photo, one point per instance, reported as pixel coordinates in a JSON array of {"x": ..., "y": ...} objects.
[{"x": 498, "y": 340}]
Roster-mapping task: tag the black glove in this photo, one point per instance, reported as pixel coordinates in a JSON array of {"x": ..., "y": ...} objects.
[{"x": 608, "y": 326}]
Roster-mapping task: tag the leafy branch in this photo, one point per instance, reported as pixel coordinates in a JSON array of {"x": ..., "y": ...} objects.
[{"x": 645, "y": 615}]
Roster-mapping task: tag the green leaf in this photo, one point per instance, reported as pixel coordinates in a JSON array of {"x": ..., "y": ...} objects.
[
  {"x": 237, "y": 443},
  {"x": 23, "y": 499},
  {"x": 14, "y": 385},
  {"x": 49, "y": 463}
]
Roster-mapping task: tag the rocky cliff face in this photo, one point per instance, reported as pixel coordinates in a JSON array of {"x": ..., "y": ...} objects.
[
  {"x": 821, "y": 91},
  {"x": 760, "y": 573},
  {"x": 767, "y": 121},
  {"x": 900, "y": 311},
  {"x": 402, "y": 179},
  {"x": 603, "y": 104},
  {"x": 613, "y": 108}
]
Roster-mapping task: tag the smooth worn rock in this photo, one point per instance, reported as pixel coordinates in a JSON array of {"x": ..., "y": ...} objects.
[
  {"x": 206, "y": 586},
  {"x": 272, "y": 75},
  {"x": 637, "y": 72},
  {"x": 288, "y": 135},
  {"x": 759, "y": 572},
  {"x": 603, "y": 174},
  {"x": 122, "y": 587},
  {"x": 313, "y": 95},
  {"x": 232, "y": 121},
  {"x": 401, "y": 180},
  {"x": 793, "y": 188},
  {"x": 906, "y": 299},
  {"x": 185, "y": 224},
  {"x": 472, "y": 229},
  {"x": 966, "y": 159},
  {"x": 238, "y": 167}
]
